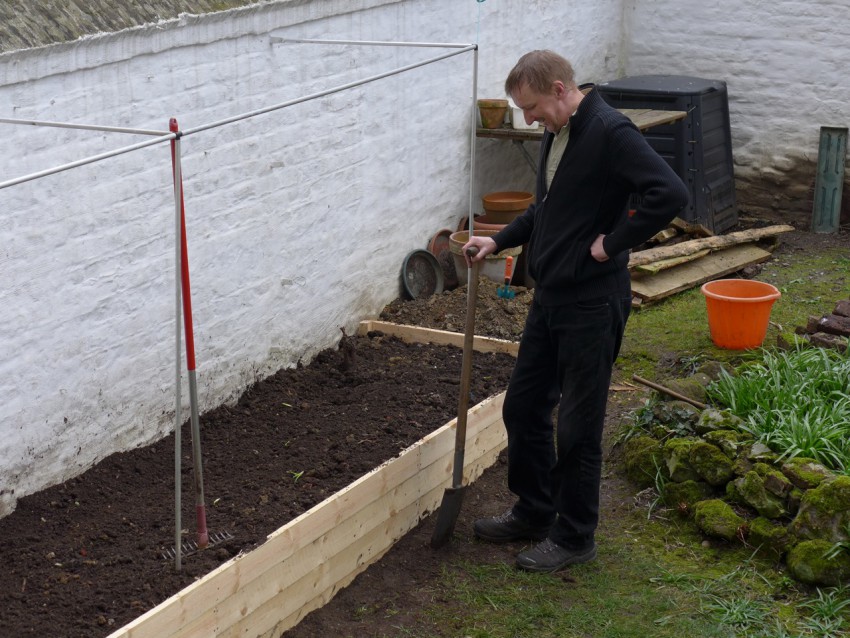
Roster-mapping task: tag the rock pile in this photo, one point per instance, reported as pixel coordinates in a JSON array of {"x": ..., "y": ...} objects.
[{"x": 707, "y": 467}]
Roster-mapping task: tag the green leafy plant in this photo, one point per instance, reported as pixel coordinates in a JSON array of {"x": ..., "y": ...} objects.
[
  {"x": 660, "y": 483},
  {"x": 642, "y": 420},
  {"x": 829, "y": 603},
  {"x": 740, "y": 613},
  {"x": 797, "y": 402}
]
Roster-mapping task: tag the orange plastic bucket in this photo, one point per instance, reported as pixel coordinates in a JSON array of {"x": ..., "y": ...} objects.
[{"x": 738, "y": 312}]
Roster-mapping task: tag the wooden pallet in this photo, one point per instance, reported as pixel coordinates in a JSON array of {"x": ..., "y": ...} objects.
[{"x": 302, "y": 565}]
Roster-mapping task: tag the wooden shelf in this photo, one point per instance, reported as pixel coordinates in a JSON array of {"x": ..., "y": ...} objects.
[{"x": 643, "y": 118}]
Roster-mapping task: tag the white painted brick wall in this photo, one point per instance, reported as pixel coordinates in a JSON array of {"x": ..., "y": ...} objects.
[
  {"x": 298, "y": 220},
  {"x": 784, "y": 63}
]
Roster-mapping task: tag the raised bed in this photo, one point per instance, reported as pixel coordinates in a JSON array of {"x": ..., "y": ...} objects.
[{"x": 303, "y": 564}]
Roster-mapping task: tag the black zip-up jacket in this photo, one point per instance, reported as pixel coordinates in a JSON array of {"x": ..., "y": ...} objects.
[{"x": 606, "y": 160}]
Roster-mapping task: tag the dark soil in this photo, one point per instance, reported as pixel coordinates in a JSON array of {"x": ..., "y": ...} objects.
[{"x": 84, "y": 558}]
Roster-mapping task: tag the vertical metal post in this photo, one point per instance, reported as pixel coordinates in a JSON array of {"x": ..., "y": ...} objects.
[
  {"x": 829, "y": 180},
  {"x": 178, "y": 210},
  {"x": 197, "y": 462},
  {"x": 472, "y": 135}
]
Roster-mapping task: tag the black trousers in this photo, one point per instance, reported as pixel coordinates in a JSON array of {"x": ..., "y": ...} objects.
[{"x": 565, "y": 359}]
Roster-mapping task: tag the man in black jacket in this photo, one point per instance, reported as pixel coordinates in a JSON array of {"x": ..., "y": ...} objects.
[{"x": 579, "y": 234}]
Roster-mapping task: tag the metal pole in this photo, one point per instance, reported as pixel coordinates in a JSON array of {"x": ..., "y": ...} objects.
[
  {"x": 236, "y": 118},
  {"x": 335, "y": 89},
  {"x": 87, "y": 160},
  {"x": 197, "y": 462},
  {"x": 88, "y": 127},
  {"x": 378, "y": 43},
  {"x": 178, "y": 198},
  {"x": 472, "y": 136}
]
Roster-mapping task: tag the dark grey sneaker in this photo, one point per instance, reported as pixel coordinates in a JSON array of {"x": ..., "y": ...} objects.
[
  {"x": 506, "y": 528},
  {"x": 548, "y": 556}
]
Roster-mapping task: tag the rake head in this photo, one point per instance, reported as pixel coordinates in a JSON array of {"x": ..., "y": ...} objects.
[{"x": 189, "y": 546}]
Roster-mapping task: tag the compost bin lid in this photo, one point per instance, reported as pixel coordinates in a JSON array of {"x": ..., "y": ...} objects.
[{"x": 662, "y": 84}]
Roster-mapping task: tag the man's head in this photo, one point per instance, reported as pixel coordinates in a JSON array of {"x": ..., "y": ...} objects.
[{"x": 543, "y": 85}]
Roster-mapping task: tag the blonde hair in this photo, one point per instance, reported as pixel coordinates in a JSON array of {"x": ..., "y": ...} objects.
[{"x": 538, "y": 70}]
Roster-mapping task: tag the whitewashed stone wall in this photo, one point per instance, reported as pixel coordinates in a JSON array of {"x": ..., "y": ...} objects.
[
  {"x": 298, "y": 220},
  {"x": 785, "y": 64}
]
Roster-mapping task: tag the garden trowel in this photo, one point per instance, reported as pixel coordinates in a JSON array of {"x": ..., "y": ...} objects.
[
  {"x": 453, "y": 496},
  {"x": 506, "y": 292}
]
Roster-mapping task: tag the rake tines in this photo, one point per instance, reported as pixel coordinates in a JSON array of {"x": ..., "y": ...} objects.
[{"x": 189, "y": 546}]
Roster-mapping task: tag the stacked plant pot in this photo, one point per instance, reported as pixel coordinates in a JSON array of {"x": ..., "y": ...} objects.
[{"x": 500, "y": 209}]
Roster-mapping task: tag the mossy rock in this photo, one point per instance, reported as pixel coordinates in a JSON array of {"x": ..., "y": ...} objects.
[
  {"x": 727, "y": 440},
  {"x": 712, "y": 419},
  {"x": 660, "y": 432},
  {"x": 807, "y": 562},
  {"x": 732, "y": 493},
  {"x": 716, "y": 518},
  {"x": 688, "y": 387},
  {"x": 790, "y": 340},
  {"x": 775, "y": 481},
  {"x": 769, "y": 538},
  {"x": 825, "y": 512},
  {"x": 686, "y": 494},
  {"x": 712, "y": 465},
  {"x": 795, "y": 497},
  {"x": 751, "y": 490},
  {"x": 714, "y": 370},
  {"x": 700, "y": 377},
  {"x": 676, "y": 452},
  {"x": 806, "y": 473},
  {"x": 742, "y": 465},
  {"x": 674, "y": 413},
  {"x": 643, "y": 458},
  {"x": 759, "y": 452}
]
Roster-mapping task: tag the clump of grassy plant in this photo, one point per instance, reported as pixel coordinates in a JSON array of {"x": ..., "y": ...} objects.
[
  {"x": 742, "y": 603},
  {"x": 797, "y": 402},
  {"x": 641, "y": 422}
]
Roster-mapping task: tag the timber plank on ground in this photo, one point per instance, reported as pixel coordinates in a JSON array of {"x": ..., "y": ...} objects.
[
  {"x": 661, "y": 285},
  {"x": 438, "y": 337},
  {"x": 716, "y": 242}
]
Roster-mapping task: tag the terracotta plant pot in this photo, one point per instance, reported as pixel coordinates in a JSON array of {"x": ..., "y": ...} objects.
[
  {"x": 492, "y": 112},
  {"x": 503, "y": 206},
  {"x": 493, "y": 266}
]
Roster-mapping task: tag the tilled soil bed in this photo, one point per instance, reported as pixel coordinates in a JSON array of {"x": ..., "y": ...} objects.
[{"x": 84, "y": 558}]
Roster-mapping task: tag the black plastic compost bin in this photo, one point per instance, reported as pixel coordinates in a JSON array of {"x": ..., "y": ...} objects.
[{"x": 698, "y": 147}]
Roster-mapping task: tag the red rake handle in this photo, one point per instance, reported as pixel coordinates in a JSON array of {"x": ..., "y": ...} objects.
[
  {"x": 200, "y": 507},
  {"x": 184, "y": 270}
]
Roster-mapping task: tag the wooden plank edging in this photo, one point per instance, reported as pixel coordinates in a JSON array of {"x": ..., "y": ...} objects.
[
  {"x": 303, "y": 564},
  {"x": 439, "y": 337}
]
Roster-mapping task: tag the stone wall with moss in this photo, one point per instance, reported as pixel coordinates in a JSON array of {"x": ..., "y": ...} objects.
[{"x": 706, "y": 467}]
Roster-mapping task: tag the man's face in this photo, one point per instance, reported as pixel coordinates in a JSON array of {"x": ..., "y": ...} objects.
[{"x": 546, "y": 108}]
